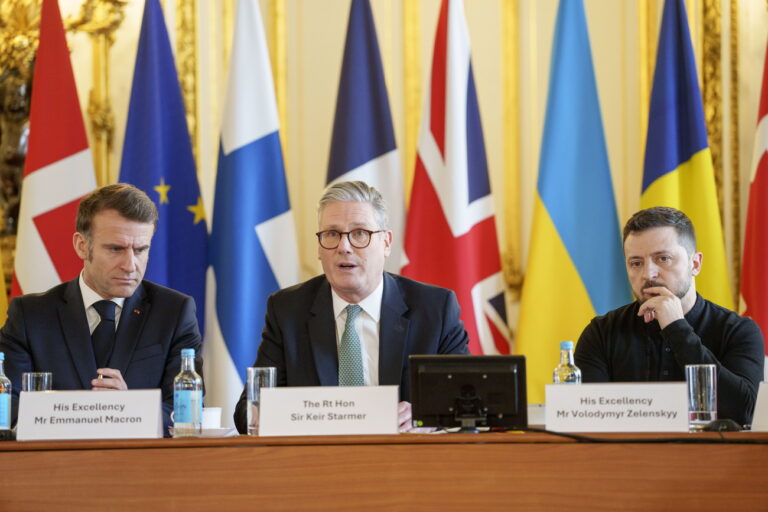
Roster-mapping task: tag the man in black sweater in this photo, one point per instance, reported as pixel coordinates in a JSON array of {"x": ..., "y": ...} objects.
[{"x": 670, "y": 325}]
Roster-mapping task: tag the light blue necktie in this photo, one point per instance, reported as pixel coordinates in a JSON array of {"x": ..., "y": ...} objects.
[{"x": 350, "y": 353}]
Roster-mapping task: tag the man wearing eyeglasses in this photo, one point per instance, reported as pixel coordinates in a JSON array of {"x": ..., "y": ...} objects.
[{"x": 355, "y": 325}]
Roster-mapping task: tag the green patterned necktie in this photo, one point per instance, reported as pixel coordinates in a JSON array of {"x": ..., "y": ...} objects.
[{"x": 350, "y": 353}]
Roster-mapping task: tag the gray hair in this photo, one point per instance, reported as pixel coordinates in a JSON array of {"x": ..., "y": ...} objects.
[{"x": 359, "y": 191}]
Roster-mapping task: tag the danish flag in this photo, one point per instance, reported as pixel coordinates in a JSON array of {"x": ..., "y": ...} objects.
[
  {"x": 58, "y": 170},
  {"x": 450, "y": 237}
]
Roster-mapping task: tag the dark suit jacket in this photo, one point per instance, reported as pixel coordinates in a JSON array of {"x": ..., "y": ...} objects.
[
  {"x": 299, "y": 337},
  {"x": 48, "y": 332}
]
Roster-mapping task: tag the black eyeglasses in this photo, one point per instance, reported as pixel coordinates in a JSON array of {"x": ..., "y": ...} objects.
[{"x": 358, "y": 238}]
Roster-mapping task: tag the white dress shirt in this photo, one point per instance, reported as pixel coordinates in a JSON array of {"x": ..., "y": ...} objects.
[
  {"x": 367, "y": 326},
  {"x": 89, "y": 298}
]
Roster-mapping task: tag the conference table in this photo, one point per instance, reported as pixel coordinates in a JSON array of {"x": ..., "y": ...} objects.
[{"x": 505, "y": 470}]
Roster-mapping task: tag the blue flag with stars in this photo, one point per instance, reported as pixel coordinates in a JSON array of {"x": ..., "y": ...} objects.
[{"x": 157, "y": 158}]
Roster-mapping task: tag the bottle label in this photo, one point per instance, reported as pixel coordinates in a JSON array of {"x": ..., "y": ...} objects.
[
  {"x": 187, "y": 406},
  {"x": 5, "y": 411}
]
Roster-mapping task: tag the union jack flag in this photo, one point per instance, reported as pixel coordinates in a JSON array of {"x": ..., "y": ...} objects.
[{"x": 450, "y": 237}]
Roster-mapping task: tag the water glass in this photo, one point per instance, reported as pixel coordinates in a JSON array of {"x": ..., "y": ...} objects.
[
  {"x": 257, "y": 378},
  {"x": 702, "y": 394},
  {"x": 36, "y": 381}
]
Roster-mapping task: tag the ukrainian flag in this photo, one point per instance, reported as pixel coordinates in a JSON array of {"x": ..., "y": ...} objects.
[
  {"x": 575, "y": 264},
  {"x": 678, "y": 168}
]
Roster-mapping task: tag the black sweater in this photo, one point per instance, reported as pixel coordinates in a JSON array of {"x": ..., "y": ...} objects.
[{"x": 621, "y": 347}]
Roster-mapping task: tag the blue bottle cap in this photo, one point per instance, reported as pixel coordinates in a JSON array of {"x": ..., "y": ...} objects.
[
  {"x": 2, "y": 356},
  {"x": 566, "y": 345},
  {"x": 187, "y": 352}
]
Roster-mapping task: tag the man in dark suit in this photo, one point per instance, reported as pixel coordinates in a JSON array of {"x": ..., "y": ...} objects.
[
  {"x": 107, "y": 329},
  {"x": 356, "y": 324}
]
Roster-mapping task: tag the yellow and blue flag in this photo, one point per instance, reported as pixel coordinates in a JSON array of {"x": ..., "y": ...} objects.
[
  {"x": 575, "y": 263},
  {"x": 158, "y": 159},
  {"x": 678, "y": 168}
]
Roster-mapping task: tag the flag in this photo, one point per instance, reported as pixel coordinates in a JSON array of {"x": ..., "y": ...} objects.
[
  {"x": 575, "y": 262},
  {"x": 450, "y": 237},
  {"x": 363, "y": 144},
  {"x": 58, "y": 170},
  {"x": 157, "y": 158},
  {"x": 754, "y": 277},
  {"x": 678, "y": 165},
  {"x": 253, "y": 241}
]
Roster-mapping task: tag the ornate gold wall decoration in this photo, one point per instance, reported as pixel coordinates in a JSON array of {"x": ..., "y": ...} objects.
[
  {"x": 279, "y": 57},
  {"x": 411, "y": 88},
  {"x": 19, "y": 35},
  {"x": 735, "y": 213},
  {"x": 512, "y": 257},
  {"x": 186, "y": 66},
  {"x": 649, "y": 34},
  {"x": 19, "y": 31},
  {"x": 100, "y": 19},
  {"x": 712, "y": 90}
]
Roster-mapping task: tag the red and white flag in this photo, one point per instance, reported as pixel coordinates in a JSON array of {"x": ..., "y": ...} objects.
[
  {"x": 450, "y": 234},
  {"x": 754, "y": 275},
  {"x": 58, "y": 170}
]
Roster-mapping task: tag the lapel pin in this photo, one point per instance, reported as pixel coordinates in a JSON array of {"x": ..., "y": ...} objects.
[{"x": 136, "y": 312}]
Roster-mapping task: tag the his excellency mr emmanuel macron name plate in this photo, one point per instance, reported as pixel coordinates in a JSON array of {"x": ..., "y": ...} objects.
[
  {"x": 49, "y": 415},
  {"x": 328, "y": 410},
  {"x": 626, "y": 407}
]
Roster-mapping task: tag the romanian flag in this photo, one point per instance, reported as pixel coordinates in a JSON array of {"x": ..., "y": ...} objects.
[
  {"x": 576, "y": 264},
  {"x": 678, "y": 165}
]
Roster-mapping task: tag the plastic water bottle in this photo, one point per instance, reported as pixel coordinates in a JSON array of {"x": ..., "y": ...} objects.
[
  {"x": 5, "y": 396},
  {"x": 566, "y": 372},
  {"x": 187, "y": 398}
]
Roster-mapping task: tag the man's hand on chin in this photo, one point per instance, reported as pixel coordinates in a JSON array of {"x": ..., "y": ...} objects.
[
  {"x": 664, "y": 307},
  {"x": 108, "y": 379}
]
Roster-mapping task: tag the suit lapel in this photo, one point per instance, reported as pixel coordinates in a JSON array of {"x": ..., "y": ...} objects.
[
  {"x": 393, "y": 331},
  {"x": 134, "y": 314},
  {"x": 74, "y": 324},
  {"x": 322, "y": 337}
]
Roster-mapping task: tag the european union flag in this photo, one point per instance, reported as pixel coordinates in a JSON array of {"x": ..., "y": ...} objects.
[{"x": 157, "y": 158}]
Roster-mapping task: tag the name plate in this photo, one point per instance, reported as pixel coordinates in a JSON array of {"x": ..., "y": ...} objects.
[
  {"x": 760, "y": 417},
  {"x": 630, "y": 407},
  {"x": 49, "y": 415},
  {"x": 328, "y": 410}
]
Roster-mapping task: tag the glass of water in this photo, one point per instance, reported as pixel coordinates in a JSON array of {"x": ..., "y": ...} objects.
[
  {"x": 702, "y": 394},
  {"x": 257, "y": 378}
]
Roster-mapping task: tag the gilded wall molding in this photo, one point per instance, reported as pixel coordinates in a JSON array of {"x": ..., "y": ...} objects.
[
  {"x": 713, "y": 89},
  {"x": 735, "y": 213},
  {"x": 648, "y": 29},
  {"x": 279, "y": 56},
  {"x": 186, "y": 67},
  {"x": 411, "y": 88},
  {"x": 512, "y": 256},
  {"x": 100, "y": 19}
]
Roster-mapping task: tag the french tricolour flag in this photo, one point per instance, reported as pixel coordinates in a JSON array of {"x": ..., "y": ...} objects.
[
  {"x": 253, "y": 241},
  {"x": 450, "y": 236},
  {"x": 363, "y": 145}
]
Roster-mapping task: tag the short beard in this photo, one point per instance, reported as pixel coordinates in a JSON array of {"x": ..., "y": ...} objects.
[{"x": 680, "y": 292}]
